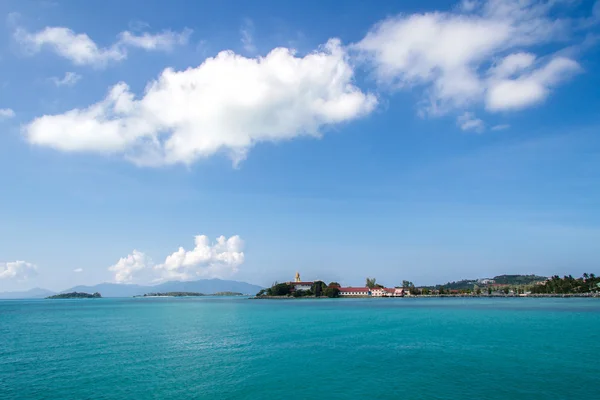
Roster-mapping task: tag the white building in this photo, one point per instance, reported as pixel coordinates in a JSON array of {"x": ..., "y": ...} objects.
[
  {"x": 387, "y": 292},
  {"x": 355, "y": 291},
  {"x": 301, "y": 285}
]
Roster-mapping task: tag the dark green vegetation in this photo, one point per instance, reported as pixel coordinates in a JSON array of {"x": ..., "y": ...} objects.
[
  {"x": 518, "y": 279},
  {"x": 228, "y": 294},
  {"x": 173, "y": 294},
  {"x": 76, "y": 295},
  {"x": 318, "y": 289},
  {"x": 588, "y": 283},
  {"x": 509, "y": 280}
]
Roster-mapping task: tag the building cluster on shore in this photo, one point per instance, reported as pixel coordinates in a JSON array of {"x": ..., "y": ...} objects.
[
  {"x": 377, "y": 291},
  {"x": 503, "y": 285}
]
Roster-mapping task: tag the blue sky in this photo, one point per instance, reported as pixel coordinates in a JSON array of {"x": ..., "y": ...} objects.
[{"x": 428, "y": 141}]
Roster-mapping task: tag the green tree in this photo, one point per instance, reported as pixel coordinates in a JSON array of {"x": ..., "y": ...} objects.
[
  {"x": 371, "y": 282},
  {"x": 318, "y": 287},
  {"x": 407, "y": 284},
  {"x": 279, "y": 289},
  {"x": 332, "y": 292},
  {"x": 334, "y": 284}
]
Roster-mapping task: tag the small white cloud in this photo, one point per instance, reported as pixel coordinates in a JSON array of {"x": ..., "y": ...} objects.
[
  {"x": 217, "y": 260},
  {"x": 78, "y": 270},
  {"x": 247, "y": 32},
  {"x": 187, "y": 115},
  {"x": 82, "y": 50},
  {"x": 468, "y": 122},
  {"x": 70, "y": 79},
  {"x": 500, "y": 127},
  {"x": 6, "y": 113},
  {"x": 127, "y": 267},
  {"x": 18, "y": 270},
  {"x": 528, "y": 88},
  {"x": 78, "y": 48}
]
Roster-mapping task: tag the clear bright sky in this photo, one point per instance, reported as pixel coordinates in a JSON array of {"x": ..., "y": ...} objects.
[{"x": 143, "y": 141}]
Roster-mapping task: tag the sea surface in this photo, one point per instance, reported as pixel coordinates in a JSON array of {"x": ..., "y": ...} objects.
[{"x": 237, "y": 348}]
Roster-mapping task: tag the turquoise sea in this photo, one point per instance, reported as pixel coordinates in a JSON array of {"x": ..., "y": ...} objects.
[{"x": 235, "y": 348}]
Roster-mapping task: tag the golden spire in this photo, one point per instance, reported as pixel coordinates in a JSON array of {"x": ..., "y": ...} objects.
[{"x": 297, "y": 276}]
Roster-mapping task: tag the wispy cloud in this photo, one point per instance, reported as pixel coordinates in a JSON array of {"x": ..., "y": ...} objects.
[
  {"x": 468, "y": 122},
  {"x": 500, "y": 127},
  {"x": 70, "y": 79},
  {"x": 247, "y": 33}
]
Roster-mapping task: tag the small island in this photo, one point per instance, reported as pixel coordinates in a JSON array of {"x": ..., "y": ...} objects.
[
  {"x": 228, "y": 294},
  {"x": 76, "y": 295},
  {"x": 172, "y": 294}
]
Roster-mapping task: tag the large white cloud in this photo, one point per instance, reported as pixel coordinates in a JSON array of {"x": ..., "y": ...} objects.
[
  {"x": 449, "y": 54},
  {"x": 80, "y": 49},
  {"x": 206, "y": 259},
  {"x": 228, "y": 103},
  {"x": 127, "y": 267},
  {"x": 19, "y": 270}
]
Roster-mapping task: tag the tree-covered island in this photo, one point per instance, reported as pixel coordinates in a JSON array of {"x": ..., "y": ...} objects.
[
  {"x": 228, "y": 294},
  {"x": 76, "y": 295},
  {"x": 172, "y": 294}
]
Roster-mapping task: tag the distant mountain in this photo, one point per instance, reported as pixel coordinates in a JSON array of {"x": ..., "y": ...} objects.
[
  {"x": 111, "y": 289},
  {"x": 206, "y": 286},
  {"x": 35, "y": 293}
]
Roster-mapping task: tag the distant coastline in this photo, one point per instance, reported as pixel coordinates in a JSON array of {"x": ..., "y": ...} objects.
[
  {"x": 472, "y": 296},
  {"x": 588, "y": 285}
]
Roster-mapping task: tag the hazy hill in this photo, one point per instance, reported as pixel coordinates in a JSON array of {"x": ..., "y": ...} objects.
[
  {"x": 513, "y": 280},
  {"x": 35, "y": 293},
  {"x": 518, "y": 279},
  {"x": 206, "y": 286}
]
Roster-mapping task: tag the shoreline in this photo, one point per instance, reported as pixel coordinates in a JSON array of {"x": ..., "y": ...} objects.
[{"x": 544, "y": 295}]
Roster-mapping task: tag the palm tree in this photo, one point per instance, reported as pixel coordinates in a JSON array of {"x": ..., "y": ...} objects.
[{"x": 371, "y": 282}]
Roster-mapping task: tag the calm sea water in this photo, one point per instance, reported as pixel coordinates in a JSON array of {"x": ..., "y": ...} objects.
[{"x": 232, "y": 348}]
